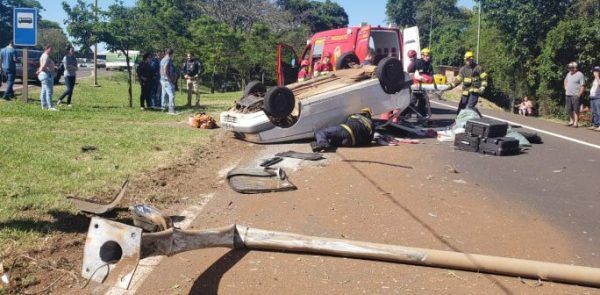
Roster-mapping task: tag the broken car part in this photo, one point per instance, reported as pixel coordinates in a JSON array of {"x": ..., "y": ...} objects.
[
  {"x": 95, "y": 207},
  {"x": 301, "y": 156},
  {"x": 124, "y": 240},
  {"x": 149, "y": 218},
  {"x": 270, "y": 162},
  {"x": 258, "y": 180}
]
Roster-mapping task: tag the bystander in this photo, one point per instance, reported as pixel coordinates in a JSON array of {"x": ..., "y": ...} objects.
[
  {"x": 8, "y": 59},
  {"x": 70, "y": 65},
  {"x": 168, "y": 78},
  {"x": 595, "y": 99},
  {"x": 574, "y": 84},
  {"x": 46, "y": 76}
]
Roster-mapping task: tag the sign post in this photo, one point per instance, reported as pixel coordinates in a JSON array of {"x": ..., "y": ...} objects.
[{"x": 25, "y": 22}]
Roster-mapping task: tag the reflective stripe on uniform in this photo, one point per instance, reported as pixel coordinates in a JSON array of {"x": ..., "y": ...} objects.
[
  {"x": 349, "y": 131},
  {"x": 468, "y": 80},
  {"x": 364, "y": 121},
  {"x": 483, "y": 75},
  {"x": 466, "y": 92}
]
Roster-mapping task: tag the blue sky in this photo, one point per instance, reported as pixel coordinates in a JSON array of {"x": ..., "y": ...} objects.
[{"x": 372, "y": 12}]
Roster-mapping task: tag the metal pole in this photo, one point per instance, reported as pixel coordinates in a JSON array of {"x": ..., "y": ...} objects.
[
  {"x": 430, "y": 26},
  {"x": 95, "y": 73},
  {"x": 478, "y": 31},
  {"x": 25, "y": 68}
]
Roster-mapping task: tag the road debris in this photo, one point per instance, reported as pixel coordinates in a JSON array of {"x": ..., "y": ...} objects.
[
  {"x": 301, "y": 156},
  {"x": 95, "y": 207},
  {"x": 104, "y": 236},
  {"x": 270, "y": 162},
  {"x": 149, "y": 218},
  {"x": 258, "y": 180}
]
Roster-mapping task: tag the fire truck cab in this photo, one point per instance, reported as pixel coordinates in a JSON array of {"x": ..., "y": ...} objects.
[{"x": 346, "y": 46}]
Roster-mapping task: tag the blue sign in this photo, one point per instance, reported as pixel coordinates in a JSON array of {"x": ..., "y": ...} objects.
[{"x": 25, "y": 21}]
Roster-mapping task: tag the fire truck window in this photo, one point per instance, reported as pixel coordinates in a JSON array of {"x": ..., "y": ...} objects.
[{"x": 318, "y": 50}]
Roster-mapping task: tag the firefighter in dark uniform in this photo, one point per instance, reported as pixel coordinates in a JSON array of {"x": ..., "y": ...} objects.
[
  {"x": 422, "y": 72},
  {"x": 474, "y": 80},
  {"x": 357, "y": 130}
]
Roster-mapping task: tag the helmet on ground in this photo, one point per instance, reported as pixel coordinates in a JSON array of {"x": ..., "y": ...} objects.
[
  {"x": 304, "y": 63},
  {"x": 425, "y": 51},
  {"x": 367, "y": 112},
  {"x": 411, "y": 53},
  {"x": 469, "y": 54}
]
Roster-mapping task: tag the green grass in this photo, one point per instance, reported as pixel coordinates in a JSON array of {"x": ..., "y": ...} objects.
[{"x": 42, "y": 161}]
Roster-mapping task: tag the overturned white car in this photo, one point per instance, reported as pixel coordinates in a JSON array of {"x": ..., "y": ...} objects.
[{"x": 297, "y": 110}]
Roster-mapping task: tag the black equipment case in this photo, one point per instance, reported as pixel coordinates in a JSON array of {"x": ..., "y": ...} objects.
[
  {"x": 466, "y": 142},
  {"x": 499, "y": 146},
  {"x": 484, "y": 127}
]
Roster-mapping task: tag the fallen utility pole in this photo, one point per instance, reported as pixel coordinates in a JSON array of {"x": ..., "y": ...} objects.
[{"x": 113, "y": 249}]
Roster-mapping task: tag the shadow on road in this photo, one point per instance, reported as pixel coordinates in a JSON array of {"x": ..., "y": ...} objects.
[{"x": 208, "y": 282}]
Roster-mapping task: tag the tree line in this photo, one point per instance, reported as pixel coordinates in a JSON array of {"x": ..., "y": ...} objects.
[{"x": 525, "y": 45}]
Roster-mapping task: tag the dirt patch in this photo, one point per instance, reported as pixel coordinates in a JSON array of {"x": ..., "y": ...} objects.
[{"x": 56, "y": 262}]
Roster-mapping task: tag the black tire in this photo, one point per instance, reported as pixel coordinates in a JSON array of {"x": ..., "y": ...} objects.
[
  {"x": 346, "y": 60},
  {"x": 279, "y": 102},
  {"x": 391, "y": 75},
  {"x": 255, "y": 88}
]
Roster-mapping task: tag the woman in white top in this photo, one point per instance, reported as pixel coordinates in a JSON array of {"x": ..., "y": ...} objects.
[
  {"x": 595, "y": 99},
  {"x": 46, "y": 76}
]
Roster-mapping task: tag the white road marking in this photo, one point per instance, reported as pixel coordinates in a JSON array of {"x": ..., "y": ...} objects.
[
  {"x": 530, "y": 128},
  {"x": 147, "y": 265}
]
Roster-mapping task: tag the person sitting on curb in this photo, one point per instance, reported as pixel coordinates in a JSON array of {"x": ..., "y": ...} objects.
[
  {"x": 525, "y": 107},
  {"x": 357, "y": 130}
]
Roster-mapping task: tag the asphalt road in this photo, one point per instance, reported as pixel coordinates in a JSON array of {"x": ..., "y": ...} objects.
[
  {"x": 541, "y": 205},
  {"x": 558, "y": 179}
]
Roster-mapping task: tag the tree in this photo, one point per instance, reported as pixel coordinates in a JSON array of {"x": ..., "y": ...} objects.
[
  {"x": 318, "y": 16},
  {"x": 50, "y": 33},
  {"x": 401, "y": 12},
  {"x": 81, "y": 24},
  {"x": 218, "y": 45},
  {"x": 435, "y": 14},
  {"x": 120, "y": 31}
]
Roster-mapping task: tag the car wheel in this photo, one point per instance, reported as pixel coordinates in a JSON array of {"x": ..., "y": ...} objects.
[
  {"x": 279, "y": 102},
  {"x": 254, "y": 88},
  {"x": 346, "y": 61},
  {"x": 391, "y": 75}
]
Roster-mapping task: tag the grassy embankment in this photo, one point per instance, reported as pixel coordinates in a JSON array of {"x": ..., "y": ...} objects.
[{"x": 41, "y": 157}]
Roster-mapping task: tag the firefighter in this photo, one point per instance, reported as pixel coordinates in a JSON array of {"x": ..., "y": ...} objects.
[
  {"x": 324, "y": 65},
  {"x": 423, "y": 67},
  {"x": 357, "y": 130},
  {"x": 474, "y": 80}
]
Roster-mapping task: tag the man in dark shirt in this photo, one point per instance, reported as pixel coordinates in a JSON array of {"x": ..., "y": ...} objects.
[
  {"x": 8, "y": 58},
  {"x": 146, "y": 77},
  {"x": 192, "y": 69}
]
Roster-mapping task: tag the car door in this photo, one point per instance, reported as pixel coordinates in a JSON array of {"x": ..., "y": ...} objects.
[{"x": 287, "y": 65}]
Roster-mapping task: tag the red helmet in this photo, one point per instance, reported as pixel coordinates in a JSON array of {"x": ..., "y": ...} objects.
[
  {"x": 304, "y": 63},
  {"x": 412, "y": 53},
  {"x": 327, "y": 54}
]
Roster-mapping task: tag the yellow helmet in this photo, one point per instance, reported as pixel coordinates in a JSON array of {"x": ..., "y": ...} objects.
[
  {"x": 469, "y": 54},
  {"x": 366, "y": 111},
  {"x": 425, "y": 51}
]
